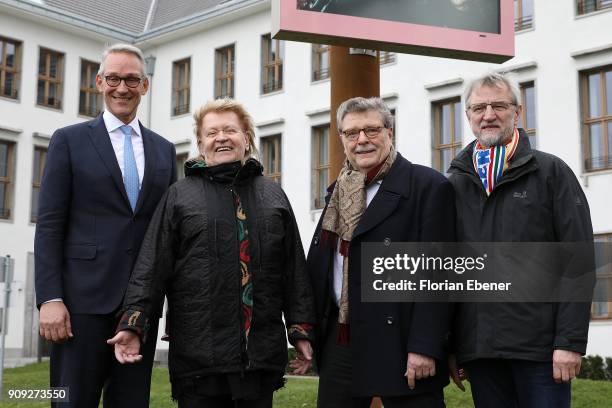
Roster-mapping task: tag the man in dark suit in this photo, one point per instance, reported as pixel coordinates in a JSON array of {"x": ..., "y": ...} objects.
[
  {"x": 101, "y": 184},
  {"x": 392, "y": 350}
]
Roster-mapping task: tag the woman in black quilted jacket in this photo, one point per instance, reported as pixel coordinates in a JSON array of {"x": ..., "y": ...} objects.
[{"x": 224, "y": 248}]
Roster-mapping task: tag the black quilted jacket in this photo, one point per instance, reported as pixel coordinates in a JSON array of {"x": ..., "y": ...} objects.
[{"x": 190, "y": 254}]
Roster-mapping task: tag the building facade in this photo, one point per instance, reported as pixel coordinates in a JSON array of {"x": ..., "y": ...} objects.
[{"x": 200, "y": 50}]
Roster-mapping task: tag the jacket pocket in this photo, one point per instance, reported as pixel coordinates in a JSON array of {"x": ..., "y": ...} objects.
[{"x": 86, "y": 251}]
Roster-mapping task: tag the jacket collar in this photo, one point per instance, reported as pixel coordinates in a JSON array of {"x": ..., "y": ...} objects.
[
  {"x": 523, "y": 161},
  {"x": 226, "y": 173}
]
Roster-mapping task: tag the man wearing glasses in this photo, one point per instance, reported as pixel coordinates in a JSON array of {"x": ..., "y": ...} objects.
[
  {"x": 515, "y": 354},
  {"x": 392, "y": 350},
  {"x": 101, "y": 184}
]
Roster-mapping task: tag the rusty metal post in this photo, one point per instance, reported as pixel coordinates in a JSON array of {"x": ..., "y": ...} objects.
[{"x": 353, "y": 72}]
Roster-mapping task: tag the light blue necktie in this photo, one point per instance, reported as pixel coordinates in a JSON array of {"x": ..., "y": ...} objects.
[{"x": 130, "y": 171}]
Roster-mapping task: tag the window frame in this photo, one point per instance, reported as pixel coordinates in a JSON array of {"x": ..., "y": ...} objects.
[
  {"x": 181, "y": 92},
  {"x": 37, "y": 178},
  {"x": 604, "y": 119},
  {"x": 318, "y": 72},
  {"x": 220, "y": 76},
  {"x": 85, "y": 91},
  {"x": 264, "y": 143},
  {"x": 267, "y": 42},
  {"x": 16, "y": 70},
  {"x": 437, "y": 145},
  {"x": 181, "y": 159},
  {"x": 532, "y": 131},
  {"x": 599, "y": 6},
  {"x": 606, "y": 275},
  {"x": 8, "y": 180},
  {"x": 522, "y": 22},
  {"x": 49, "y": 80},
  {"x": 386, "y": 58},
  {"x": 318, "y": 202}
]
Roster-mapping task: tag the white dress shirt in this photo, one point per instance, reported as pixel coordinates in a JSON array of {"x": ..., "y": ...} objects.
[
  {"x": 371, "y": 191},
  {"x": 117, "y": 139}
]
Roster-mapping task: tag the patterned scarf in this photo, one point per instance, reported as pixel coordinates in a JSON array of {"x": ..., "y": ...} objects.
[
  {"x": 246, "y": 284},
  {"x": 491, "y": 162},
  {"x": 346, "y": 206}
]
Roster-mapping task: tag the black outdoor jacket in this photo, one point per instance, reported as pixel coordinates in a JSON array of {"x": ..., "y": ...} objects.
[
  {"x": 413, "y": 204},
  {"x": 538, "y": 199},
  {"x": 190, "y": 254}
]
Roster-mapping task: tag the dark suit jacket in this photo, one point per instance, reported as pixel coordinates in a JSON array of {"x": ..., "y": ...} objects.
[
  {"x": 413, "y": 204},
  {"x": 87, "y": 236}
]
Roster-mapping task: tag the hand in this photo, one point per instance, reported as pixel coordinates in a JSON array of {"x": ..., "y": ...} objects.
[
  {"x": 301, "y": 363},
  {"x": 54, "y": 322},
  {"x": 457, "y": 374},
  {"x": 419, "y": 366},
  {"x": 566, "y": 365},
  {"x": 127, "y": 347}
]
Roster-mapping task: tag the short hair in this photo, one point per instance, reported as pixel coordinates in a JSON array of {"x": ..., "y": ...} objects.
[
  {"x": 227, "y": 105},
  {"x": 125, "y": 48},
  {"x": 492, "y": 79},
  {"x": 360, "y": 104}
]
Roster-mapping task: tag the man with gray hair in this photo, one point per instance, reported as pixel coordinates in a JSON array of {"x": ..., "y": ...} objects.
[
  {"x": 101, "y": 184},
  {"x": 515, "y": 354},
  {"x": 392, "y": 350}
]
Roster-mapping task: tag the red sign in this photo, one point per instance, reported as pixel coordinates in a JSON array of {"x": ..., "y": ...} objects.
[{"x": 478, "y": 30}]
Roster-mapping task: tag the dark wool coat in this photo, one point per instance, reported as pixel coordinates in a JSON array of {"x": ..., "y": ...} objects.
[
  {"x": 538, "y": 199},
  {"x": 191, "y": 255},
  {"x": 413, "y": 204}
]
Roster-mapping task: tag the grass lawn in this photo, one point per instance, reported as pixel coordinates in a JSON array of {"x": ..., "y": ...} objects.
[{"x": 298, "y": 393}]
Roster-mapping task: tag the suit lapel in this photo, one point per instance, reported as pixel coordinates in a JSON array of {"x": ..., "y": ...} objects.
[
  {"x": 386, "y": 199},
  {"x": 102, "y": 143},
  {"x": 149, "y": 170}
]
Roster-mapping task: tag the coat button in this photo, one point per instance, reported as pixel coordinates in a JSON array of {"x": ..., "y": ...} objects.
[
  {"x": 387, "y": 241},
  {"x": 389, "y": 320},
  {"x": 315, "y": 241}
]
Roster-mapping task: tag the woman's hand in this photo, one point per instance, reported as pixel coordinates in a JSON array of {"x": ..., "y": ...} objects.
[
  {"x": 127, "y": 347},
  {"x": 303, "y": 360}
]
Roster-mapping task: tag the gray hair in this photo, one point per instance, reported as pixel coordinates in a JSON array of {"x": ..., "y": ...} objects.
[
  {"x": 360, "y": 104},
  {"x": 125, "y": 48},
  {"x": 492, "y": 80}
]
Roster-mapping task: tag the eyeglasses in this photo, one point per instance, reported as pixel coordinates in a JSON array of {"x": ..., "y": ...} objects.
[
  {"x": 130, "y": 82},
  {"x": 370, "y": 131},
  {"x": 227, "y": 131},
  {"x": 497, "y": 106}
]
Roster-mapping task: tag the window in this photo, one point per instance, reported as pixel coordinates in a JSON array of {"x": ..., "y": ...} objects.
[
  {"x": 589, "y": 6},
  {"x": 10, "y": 65},
  {"x": 50, "y": 73},
  {"x": 523, "y": 14},
  {"x": 320, "y": 164},
  {"x": 386, "y": 57},
  {"x": 181, "y": 159},
  {"x": 271, "y": 64},
  {"x": 90, "y": 100},
  {"x": 224, "y": 72},
  {"x": 40, "y": 157},
  {"x": 320, "y": 62},
  {"x": 180, "y": 86},
  {"x": 603, "y": 287},
  {"x": 596, "y": 95},
  {"x": 527, "y": 120},
  {"x": 271, "y": 154},
  {"x": 447, "y": 133},
  {"x": 7, "y": 152}
]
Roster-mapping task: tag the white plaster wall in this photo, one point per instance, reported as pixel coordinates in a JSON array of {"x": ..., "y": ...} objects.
[{"x": 557, "y": 33}]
